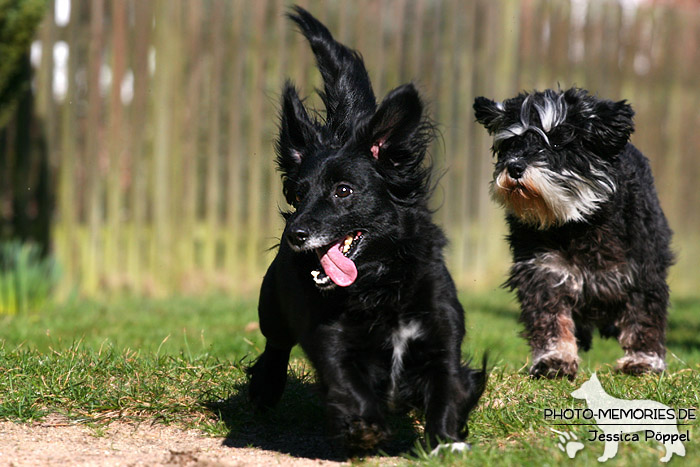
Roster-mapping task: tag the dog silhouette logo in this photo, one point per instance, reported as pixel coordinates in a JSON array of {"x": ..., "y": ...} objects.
[{"x": 627, "y": 420}]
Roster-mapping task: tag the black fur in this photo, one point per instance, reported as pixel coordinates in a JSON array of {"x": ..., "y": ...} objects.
[
  {"x": 590, "y": 242},
  {"x": 386, "y": 331}
]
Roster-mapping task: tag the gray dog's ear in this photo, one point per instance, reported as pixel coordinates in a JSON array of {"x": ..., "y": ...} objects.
[
  {"x": 605, "y": 125},
  {"x": 489, "y": 113},
  {"x": 611, "y": 125}
]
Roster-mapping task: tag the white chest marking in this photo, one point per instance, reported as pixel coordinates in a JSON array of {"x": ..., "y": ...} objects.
[{"x": 400, "y": 339}]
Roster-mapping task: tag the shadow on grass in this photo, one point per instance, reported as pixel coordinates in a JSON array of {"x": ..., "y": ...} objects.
[{"x": 296, "y": 426}]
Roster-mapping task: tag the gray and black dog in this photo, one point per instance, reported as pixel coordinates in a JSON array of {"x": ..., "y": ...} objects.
[{"x": 589, "y": 240}]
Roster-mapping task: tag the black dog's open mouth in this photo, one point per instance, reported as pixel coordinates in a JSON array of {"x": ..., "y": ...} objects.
[{"x": 337, "y": 266}]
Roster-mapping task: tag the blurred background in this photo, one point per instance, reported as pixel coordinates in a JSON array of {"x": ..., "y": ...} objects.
[{"x": 136, "y": 136}]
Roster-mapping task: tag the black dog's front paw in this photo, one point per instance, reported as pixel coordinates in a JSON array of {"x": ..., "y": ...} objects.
[
  {"x": 362, "y": 436},
  {"x": 555, "y": 367},
  {"x": 268, "y": 377},
  {"x": 263, "y": 394}
]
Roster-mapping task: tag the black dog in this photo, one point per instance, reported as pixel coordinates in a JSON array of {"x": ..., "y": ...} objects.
[
  {"x": 590, "y": 242},
  {"x": 359, "y": 280}
]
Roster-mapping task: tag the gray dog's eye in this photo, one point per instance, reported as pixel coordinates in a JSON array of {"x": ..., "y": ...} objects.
[{"x": 559, "y": 144}]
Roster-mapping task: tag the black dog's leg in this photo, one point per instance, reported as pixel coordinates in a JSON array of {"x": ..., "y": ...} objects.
[
  {"x": 268, "y": 377},
  {"x": 354, "y": 409},
  {"x": 450, "y": 398},
  {"x": 355, "y": 415},
  {"x": 643, "y": 332},
  {"x": 444, "y": 396}
]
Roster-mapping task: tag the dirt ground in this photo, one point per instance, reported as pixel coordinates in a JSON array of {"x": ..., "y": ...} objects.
[{"x": 57, "y": 442}]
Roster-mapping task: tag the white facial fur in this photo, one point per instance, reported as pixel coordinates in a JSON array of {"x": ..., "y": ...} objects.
[{"x": 568, "y": 196}]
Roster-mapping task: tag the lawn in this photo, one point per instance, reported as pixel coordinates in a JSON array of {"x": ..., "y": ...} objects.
[{"x": 182, "y": 361}]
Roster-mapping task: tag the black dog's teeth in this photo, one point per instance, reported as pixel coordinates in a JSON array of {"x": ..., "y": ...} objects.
[
  {"x": 320, "y": 277},
  {"x": 349, "y": 243}
]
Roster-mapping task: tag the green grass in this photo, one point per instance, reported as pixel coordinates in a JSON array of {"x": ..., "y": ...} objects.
[
  {"x": 193, "y": 326},
  {"x": 182, "y": 361}
]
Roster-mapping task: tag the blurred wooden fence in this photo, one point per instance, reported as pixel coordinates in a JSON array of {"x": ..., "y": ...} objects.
[{"x": 160, "y": 117}]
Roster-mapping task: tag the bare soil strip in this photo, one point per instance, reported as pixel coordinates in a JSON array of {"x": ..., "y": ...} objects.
[{"x": 58, "y": 442}]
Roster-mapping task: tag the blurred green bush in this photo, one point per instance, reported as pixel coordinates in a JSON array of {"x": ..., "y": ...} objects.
[
  {"x": 27, "y": 279},
  {"x": 18, "y": 22}
]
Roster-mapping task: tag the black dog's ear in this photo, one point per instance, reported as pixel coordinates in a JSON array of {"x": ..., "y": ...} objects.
[
  {"x": 488, "y": 113},
  {"x": 296, "y": 137},
  {"x": 297, "y": 131},
  {"x": 394, "y": 125},
  {"x": 612, "y": 124},
  {"x": 397, "y": 138},
  {"x": 347, "y": 92}
]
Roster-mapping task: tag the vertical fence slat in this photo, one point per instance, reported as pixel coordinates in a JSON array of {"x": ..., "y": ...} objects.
[
  {"x": 236, "y": 146},
  {"x": 92, "y": 258},
  {"x": 212, "y": 186},
  {"x": 166, "y": 89},
  {"x": 191, "y": 128},
  {"x": 116, "y": 145},
  {"x": 66, "y": 233},
  {"x": 136, "y": 264},
  {"x": 255, "y": 152}
]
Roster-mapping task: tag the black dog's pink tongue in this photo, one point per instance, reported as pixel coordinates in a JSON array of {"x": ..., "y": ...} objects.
[{"x": 337, "y": 266}]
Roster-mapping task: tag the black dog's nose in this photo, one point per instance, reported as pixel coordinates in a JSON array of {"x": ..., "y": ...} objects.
[
  {"x": 298, "y": 236},
  {"x": 516, "y": 168}
]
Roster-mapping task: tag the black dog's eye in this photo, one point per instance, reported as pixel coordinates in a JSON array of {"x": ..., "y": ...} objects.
[
  {"x": 298, "y": 196},
  {"x": 343, "y": 191}
]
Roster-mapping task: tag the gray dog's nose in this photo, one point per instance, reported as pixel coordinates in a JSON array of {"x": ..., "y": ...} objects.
[{"x": 516, "y": 168}]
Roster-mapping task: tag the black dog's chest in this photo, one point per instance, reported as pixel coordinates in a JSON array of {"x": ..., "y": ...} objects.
[{"x": 386, "y": 350}]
